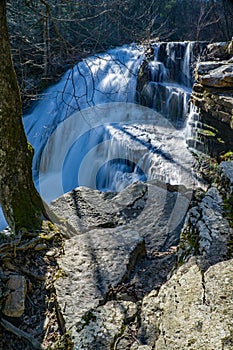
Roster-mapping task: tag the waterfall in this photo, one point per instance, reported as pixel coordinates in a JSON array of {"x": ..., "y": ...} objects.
[
  {"x": 109, "y": 146},
  {"x": 171, "y": 79},
  {"x": 102, "y": 78},
  {"x": 87, "y": 130},
  {"x": 191, "y": 131}
]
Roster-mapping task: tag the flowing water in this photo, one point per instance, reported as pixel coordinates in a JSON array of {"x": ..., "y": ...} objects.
[{"x": 87, "y": 129}]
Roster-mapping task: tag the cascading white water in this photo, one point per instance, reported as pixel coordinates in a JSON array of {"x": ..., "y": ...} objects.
[
  {"x": 109, "y": 146},
  {"x": 186, "y": 68},
  {"x": 103, "y": 78},
  {"x": 192, "y": 126},
  {"x": 169, "y": 90},
  {"x": 87, "y": 131}
]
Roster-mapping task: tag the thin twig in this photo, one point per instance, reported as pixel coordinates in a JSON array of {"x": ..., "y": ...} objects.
[{"x": 11, "y": 328}]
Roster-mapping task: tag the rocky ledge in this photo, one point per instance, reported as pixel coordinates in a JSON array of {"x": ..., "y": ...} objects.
[
  {"x": 124, "y": 247},
  {"x": 127, "y": 281},
  {"x": 213, "y": 96}
]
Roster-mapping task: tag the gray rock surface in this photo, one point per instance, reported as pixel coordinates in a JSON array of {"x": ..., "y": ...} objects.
[
  {"x": 205, "y": 67},
  {"x": 226, "y": 176},
  {"x": 213, "y": 95},
  {"x": 160, "y": 221},
  {"x": 153, "y": 209},
  {"x": 85, "y": 209},
  {"x": 206, "y": 231},
  {"x": 218, "y": 77},
  {"x": 191, "y": 311},
  {"x": 113, "y": 231},
  {"x": 15, "y": 302},
  {"x": 91, "y": 263},
  {"x": 102, "y": 328}
]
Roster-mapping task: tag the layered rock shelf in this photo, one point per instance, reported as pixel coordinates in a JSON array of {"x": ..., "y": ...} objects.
[{"x": 213, "y": 95}]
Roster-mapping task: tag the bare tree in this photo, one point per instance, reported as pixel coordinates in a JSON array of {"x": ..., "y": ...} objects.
[
  {"x": 20, "y": 201},
  {"x": 205, "y": 19}
]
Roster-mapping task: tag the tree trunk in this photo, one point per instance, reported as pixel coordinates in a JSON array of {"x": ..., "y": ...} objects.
[{"x": 21, "y": 204}]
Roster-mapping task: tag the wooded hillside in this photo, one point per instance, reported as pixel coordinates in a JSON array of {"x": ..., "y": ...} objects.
[{"x": 49, "y": 36}]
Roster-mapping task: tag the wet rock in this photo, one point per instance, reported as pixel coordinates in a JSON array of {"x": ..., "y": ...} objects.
[
  {"x": 15, "y": 302},
  {"x": 192, "y": 310},
  {"x": 205, "y": 67},
  {"x": 92, "y": 262}
]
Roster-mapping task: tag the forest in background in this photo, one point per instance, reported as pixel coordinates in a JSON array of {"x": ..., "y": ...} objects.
[{"x": 49, "y": 36}]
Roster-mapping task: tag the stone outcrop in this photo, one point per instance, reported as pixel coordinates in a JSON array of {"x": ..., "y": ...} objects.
[
  {"x": 159, "y": 224},
  {"x": 226, "y": 178},
  {"x": 127, "y": 280},
  {"x": 206, "y": 231},
  {"x": 124, "y": 247},
  {"x": 192, "y": 310},
  {"x": 185, "y": 305},
  {"x": 93, "y": 262},
  {"x": 213, "y": 95},
  {"x": 100, "y": 328}
]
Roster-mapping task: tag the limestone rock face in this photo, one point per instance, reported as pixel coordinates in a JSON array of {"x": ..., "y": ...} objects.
[
  {"x": 182, "y": 307},
  {"x": 159, "y": 224},
  {"x": 92, "y": 262},
  {"x": 104, "y": 326},
  {"x": 219, "y": 77},
  {"x": 226, "y": 176},
  {"x": 206, "y": 231},
  {"x": 85, "y": 209},
  {"x": 125, "y": 238},
  {"x": 213, "y": 95},
  {"x": 191, "y": 311}
]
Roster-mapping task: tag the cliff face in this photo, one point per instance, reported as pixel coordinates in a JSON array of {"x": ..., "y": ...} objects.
[{"x": 213, "y": 95}]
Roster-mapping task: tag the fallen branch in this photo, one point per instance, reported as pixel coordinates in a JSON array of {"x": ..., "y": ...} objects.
[
  {"x": 29, "y": 245},
  {"x": 11, "y": 328},
  {"x": 32, "y": 274},
  {"x": 10, "y": 245}
]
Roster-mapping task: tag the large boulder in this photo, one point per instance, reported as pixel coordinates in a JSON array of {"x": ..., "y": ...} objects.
[
  {"x": 192, "y": 310},
  {"x": 92, "y": 262},
  {"x": 122, "y": 239}
]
